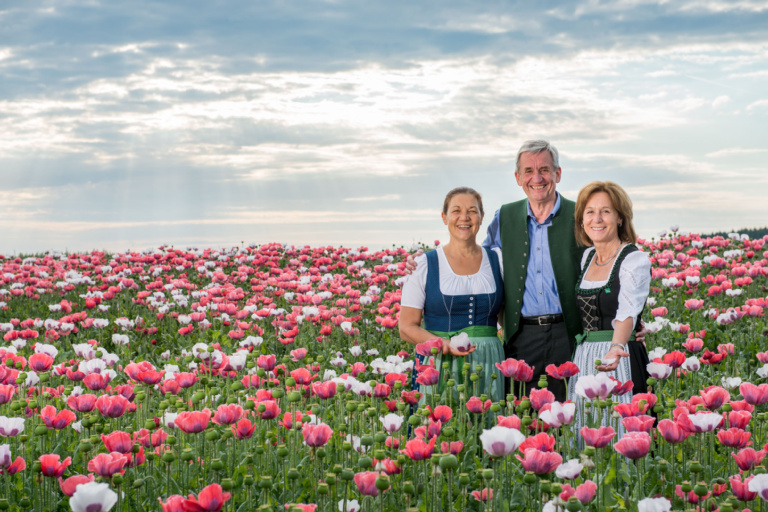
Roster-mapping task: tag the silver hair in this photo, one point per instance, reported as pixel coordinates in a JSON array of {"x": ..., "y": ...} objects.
[{"x": 535, "y": 147}]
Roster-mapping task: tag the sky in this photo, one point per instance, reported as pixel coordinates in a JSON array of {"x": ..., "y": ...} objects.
[{"x": 129, "y": 125}]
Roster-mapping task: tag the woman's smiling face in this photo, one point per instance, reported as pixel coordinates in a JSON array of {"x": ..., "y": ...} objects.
[
  {"x": 600, "y": 219},
  {"x": 463, "y": 217}
]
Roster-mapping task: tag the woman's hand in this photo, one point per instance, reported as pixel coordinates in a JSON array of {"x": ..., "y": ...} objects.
[
  {"x": 610, "y": 360},
  {"x": 448, "y": 349}
]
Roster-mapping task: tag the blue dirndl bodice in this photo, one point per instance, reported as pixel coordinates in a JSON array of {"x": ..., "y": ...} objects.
[{"x": 450, "y": 313}]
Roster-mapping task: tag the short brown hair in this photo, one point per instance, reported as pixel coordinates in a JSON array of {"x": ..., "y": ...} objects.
[
  {"x": 463, "y": 190},
  {"x": 621, "y": 203}
]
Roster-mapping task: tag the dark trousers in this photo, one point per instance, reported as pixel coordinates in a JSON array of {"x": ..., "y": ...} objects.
[{"x": 540, "y": 346}]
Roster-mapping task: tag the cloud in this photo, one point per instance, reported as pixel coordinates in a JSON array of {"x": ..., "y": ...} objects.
[
  {"x": 386, "y": 197},
  {"x": 734, "y": 151},
  {"x": 144, "y": 121},
  {"x": 757, "y": 104},
  {"x": 722, "y": 7}
]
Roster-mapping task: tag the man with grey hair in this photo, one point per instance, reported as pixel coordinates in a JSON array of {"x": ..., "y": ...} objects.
[{"x": 541, "y": 266}]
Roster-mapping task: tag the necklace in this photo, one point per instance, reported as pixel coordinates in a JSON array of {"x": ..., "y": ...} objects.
[{"x": 609, "y": 259}]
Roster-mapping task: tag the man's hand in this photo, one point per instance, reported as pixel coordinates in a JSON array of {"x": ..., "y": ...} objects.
[
  {"x": 640, "y": 334},
  {"x": 410, "y": 262}
]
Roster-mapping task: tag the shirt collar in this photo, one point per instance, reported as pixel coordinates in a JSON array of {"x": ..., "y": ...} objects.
[{"x": 551, "y": 214}]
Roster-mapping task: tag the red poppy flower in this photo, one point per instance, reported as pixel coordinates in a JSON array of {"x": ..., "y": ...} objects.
[
  {"x": 193, "y": 422},
  {"x": 56, "y": 420},
  {"x": 210, "y": 499},
  {"x": 108, "y": 464},
  {"x": 51, "y": 465},
  {"x": 68, "y": 486},
  {"x": 112, "y": 406}
]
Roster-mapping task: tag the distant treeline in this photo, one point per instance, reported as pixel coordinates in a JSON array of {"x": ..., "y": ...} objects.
[{"x": 751, "y": 232}]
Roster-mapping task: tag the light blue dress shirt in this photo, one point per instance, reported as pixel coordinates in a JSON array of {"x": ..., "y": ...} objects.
[{"x": 540, "y": 294}]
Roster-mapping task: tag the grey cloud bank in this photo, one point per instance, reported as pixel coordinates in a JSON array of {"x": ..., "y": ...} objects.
[{"x": 142, "y": 123}]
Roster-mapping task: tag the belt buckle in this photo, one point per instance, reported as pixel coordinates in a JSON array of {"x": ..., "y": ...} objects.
[{"x": 541, "y": 319}]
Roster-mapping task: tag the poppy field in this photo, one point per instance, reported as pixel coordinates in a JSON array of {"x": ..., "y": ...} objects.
[{"x": 272, "y": 377}]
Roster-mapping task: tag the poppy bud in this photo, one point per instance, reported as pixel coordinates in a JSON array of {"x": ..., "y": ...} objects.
[
  {"x": 382, "y": 483},
  {"x": 573, "y": 504},
  {"x": 700, "y": 489},
  {"x": 449, "y": 462}
]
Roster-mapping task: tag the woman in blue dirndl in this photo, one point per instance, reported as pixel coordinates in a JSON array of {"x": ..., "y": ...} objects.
[{"x": 456, "y": 289}]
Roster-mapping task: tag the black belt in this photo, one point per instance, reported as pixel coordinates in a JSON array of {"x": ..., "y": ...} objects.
[{"x": 542, "y": 320}]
